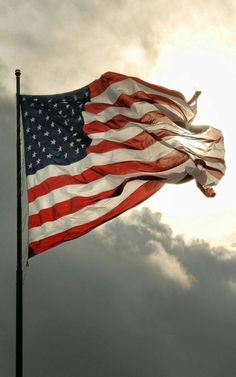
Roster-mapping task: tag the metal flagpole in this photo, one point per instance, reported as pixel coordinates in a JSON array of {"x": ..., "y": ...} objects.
[{"x": 19, "y": 271}]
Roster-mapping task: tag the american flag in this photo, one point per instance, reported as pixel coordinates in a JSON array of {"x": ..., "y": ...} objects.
[{"x": 93, "y": 153}]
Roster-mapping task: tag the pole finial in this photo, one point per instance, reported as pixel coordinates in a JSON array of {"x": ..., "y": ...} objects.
[{"x": 17, "y": 72}]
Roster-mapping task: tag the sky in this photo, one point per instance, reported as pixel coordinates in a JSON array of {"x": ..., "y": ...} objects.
[{"x": 153, "y": 292}]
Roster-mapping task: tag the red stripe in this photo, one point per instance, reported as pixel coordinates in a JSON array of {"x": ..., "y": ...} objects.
[
  {"x": 137, "y": 197},
  {"x": 127, "y": 100},
  {"x": 171, "y": 160},
  {"x": 96, "y": 108},
  {"x": 116, "y": 123},
  {"x": 216, "y": 173},
  {"x": 139, "y": 142},
  {"x": 98, "y": 86},
  {"x": 70, "y": 206},
  {"x": 162, "y": 89},
  {"x": 119, "y": 122},
  {"x": 109, "y": 78}
]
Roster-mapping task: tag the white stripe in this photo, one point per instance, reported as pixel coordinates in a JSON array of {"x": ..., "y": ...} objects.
[
  {"x": 150, "y": 154},
  {"x": 184, "y": 140},
  {"x": 130, "y": 86},
  {"x": 83, "y": 216},
  {"x": 193, "y": 144},
  {"x": 132, "y": 129},
  {"x": 71, "y": 191},
  {"x": 106, "y": 183},
  {"x": 171, "y": 112},
  {"x": 197, "y": 147},
  {"x": 205, "y": 178},
  {"x": 121, "y": 135},
  {"x": 137, "y": 110}
]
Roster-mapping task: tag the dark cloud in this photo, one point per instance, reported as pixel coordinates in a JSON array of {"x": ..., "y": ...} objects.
[{"x": 128, "y": 299}]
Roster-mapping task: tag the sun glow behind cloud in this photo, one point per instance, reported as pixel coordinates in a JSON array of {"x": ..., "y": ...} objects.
[
  {"x": 210, "y": 69},
  {"x": 185, "y": 45}
]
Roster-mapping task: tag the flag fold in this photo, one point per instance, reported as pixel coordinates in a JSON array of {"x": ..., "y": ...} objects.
[{"x": 93, "y": 153}]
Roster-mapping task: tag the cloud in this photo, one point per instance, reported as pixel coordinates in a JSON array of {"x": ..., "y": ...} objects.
[
  {"x": 232, "y": 285},
  {"x": 60, "y": 46},
  {"x": 125, "y": 299},
  {"x": 130, "y": 298},
  {"x": 169, "y": 266}
]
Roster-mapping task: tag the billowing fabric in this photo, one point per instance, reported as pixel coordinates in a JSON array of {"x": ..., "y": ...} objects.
[{"x": 93, "y": 153}]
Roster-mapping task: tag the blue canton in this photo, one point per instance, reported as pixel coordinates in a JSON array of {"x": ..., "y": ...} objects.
[{"x": 53, "y": 129}]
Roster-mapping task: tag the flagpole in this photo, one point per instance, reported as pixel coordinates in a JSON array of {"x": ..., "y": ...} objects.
[{"x": 19, "y": 270}]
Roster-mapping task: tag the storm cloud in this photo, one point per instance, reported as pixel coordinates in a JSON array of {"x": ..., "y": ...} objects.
[
  {"x": 131, "y": 298},
  {"x": 127, "y": 299}
]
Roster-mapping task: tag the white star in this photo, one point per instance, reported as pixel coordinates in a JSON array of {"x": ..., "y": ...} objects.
[
  {"x": 65, "y": 138},
  {"x": 40, "y": 111},
  {"x": 53, "y": 142},
  {"x": 29, "y": 147},
  {"x": 65, "y": 155},
  {"x": 55, "y": 105},
  {"x": 36, "y": 99},
  {"x": 80, "y": 118},
  {"x": 66, "y": 122},
  {"x": 47, "y": 117},
  {"x": 30, "y": 165},
  {"x": 26, "y": 113},
  {"x": 38, "y": 161},
  {"x": 39, "y": 127},
  {"x": 32, "y": 104},
  {"x": 43, "y": 149},
  {"x": 27, "y": 130},
  {"x": 72, "y": 144},
  {"x": 34, "y": 137},
  {"x": 75, "y": 133},
  {"x": 77, "y": 151},
  {"x": 72, "y": 112},
  {"x": 52, "y": 124},
  {"x": 67, "y": 106},
  {"x": 34, "y": 154},
  {"x": 59, "y": 131},
  {"x": 60, "y": 112},
  {"x": 49, "y": 155},
  {"x": 71, "y": 129},
  {"x": 46, "y": 133},
  {"x": 59, "y": 149},
  {"x": 39, "y": 144},
  {"x": 32, "y": 120}
]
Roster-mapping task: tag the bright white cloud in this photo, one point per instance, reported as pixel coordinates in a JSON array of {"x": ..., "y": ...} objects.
[
  {"x": 169, "y": 266},
  {"x": 186, "y": 45}
]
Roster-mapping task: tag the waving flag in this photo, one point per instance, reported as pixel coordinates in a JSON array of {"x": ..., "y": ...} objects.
[{"x": 93, "y": 153}]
